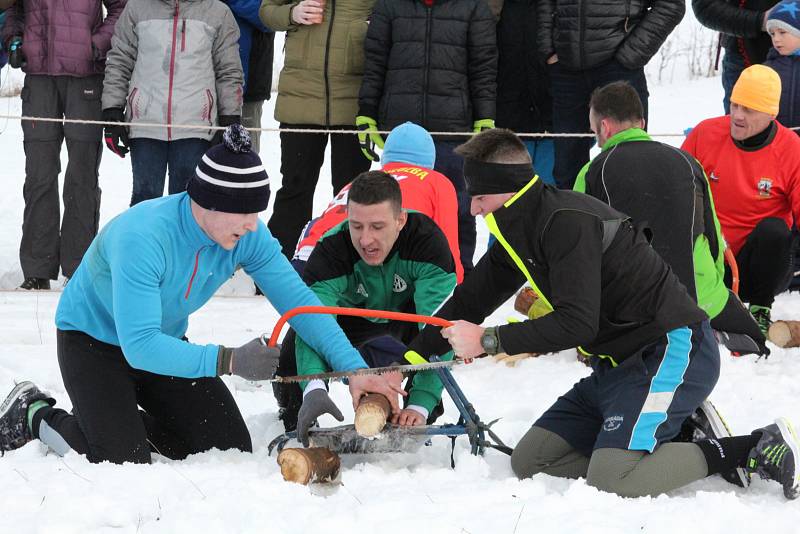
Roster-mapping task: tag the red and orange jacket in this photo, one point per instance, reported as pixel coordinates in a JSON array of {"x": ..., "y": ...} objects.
[
  {"x": 424, "y": 190},
  {"x": 748, "y": 185}
]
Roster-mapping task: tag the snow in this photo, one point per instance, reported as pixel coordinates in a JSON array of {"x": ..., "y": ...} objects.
[{"x": 237, "y": 492}]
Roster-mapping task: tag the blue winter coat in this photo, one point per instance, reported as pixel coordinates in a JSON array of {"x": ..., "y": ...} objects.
[
  {"x": 246, "y": 14},
  {"x": 788, "y": 67}
]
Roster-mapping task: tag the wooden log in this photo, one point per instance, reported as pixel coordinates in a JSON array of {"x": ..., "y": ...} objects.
[
  {"x": 785, "y": 334},
  {"x": 315, "y": 464},
  {"x": 371, "y": 415}
]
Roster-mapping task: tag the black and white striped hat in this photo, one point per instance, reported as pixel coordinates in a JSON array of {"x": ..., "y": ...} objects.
[{"x": 230, "y": 178}]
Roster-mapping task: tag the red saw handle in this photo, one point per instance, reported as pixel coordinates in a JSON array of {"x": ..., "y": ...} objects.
[{"x": 356, "y": 312}]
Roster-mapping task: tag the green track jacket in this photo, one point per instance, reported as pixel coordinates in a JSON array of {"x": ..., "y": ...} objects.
[{"x": 416, "y": 277}]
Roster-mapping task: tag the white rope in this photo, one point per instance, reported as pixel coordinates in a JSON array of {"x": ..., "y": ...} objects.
[
  {"x": 296, "y": 130},
  {"x": 290, "y": 130}
]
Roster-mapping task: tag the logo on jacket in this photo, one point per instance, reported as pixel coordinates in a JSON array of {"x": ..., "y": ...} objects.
[
  {"x": 612, "y": 423},
  {"x": 399, "y": 285},
  {"x": 765, "y": 187},
  {"x": 88, "y": 92},
  {"x": 713, "y": 177},
  {"x": 362, "y": 291}
]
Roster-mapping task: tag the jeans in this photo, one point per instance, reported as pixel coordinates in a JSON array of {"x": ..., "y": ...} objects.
[
  {"x": 452, "y": 165},
  {"x": 150, "y": 159},
  {"x": 732, "y": 67},
  {"x": 543, "y": 156},
  {"x": 571, "y": 91}
]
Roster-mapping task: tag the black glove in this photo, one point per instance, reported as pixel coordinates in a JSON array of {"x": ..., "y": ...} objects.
[
  {"x": 224, "y": 120},
  {"x": 315, "y": 403},
  {"x": 116, "y": 136},
  {"x": 16, "y": 57},
  {"x": 254, "y": 360}
]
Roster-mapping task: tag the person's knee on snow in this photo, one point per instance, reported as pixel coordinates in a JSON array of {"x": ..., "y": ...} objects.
[{"x": 543, "y": 451}]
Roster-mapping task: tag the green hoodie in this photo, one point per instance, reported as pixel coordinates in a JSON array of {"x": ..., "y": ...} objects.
[{"x": 709, "y": 270}]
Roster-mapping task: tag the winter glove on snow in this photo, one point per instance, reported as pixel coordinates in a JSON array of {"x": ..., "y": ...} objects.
[
  {"x": 224, "y": 120},
  {"x": 369, "y": 137},
  {"x": 116, "y": 135},
  {"x": 483, "y": 124},
  {"x": 16, "y": 57},
  {"x": 315, "y": 403},
  {"x": 254, "y": 360}
]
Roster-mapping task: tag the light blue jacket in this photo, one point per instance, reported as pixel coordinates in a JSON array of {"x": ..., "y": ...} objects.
[{"x": 152, "y": 266}]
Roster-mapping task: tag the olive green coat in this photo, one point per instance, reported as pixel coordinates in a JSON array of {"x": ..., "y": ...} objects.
[{"x": 323, "y": 63}]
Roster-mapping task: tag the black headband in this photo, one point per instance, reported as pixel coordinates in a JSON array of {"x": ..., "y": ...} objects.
[{"x": 491, "y": 178}]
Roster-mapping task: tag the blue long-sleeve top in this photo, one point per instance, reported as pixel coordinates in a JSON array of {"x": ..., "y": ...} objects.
[
  {"x": 152, "y": 266},
  {"x": 245, "y": 12}
]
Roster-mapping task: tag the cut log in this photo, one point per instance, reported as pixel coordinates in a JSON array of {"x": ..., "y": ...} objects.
[
  {"x": 511, "y": 361},
  {"x": 785, "y": 334},
  {"x": 371, "y": 415},
  {"x": 315, "y": 464}
]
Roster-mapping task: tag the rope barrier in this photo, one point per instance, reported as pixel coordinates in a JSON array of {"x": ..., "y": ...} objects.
[
  {"x": 297, "y": 130},
  {"x": 289, "y": 130}
]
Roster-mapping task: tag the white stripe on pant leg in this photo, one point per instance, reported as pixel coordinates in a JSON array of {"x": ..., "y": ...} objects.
[
  {"x": 663, "y": 386},
  {"x": 53, "y": 439}
]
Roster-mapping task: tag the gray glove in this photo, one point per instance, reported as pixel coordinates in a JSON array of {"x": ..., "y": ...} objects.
[
  {"x": 253, "y": 360},
  {"x": 316, "y": 403}
]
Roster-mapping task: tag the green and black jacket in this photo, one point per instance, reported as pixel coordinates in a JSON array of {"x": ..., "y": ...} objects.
[
  {"x": 416, "y": 277},
  {"x": 602, "y": 287},
  {"x": 666, "y": 189}
]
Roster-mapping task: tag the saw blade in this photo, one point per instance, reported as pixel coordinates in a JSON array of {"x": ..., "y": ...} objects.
[{"x": 339, "y": 375}]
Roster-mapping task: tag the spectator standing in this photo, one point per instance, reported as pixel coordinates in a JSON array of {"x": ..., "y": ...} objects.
[
  {"x": 317, "y": 89},
  {"x": 783, "y": 26},
  {"x": 753, "y": 167},
  {"x": 588, "y": 44},
  {"x": 434, "y": 63},
  {"x": 742, "y": 27},
  {"x": 256, "y": 51},
  {"x": 524, "y": 104},
  {"x": 62, "y": 49},
  {"x": 163, "y": 68}
]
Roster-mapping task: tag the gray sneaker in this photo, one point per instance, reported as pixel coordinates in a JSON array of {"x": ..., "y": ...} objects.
[
  {"x": 774, "y": 457},
  {"x": 14, "y": 431},
  {"x": 707, "y": 423}
]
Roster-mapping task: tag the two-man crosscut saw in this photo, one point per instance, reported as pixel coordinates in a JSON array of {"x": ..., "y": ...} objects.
[{"x": 358, "y": 312}]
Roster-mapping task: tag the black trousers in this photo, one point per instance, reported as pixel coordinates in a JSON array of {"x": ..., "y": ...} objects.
[
  {"x": 178, "y": 416},
  {"x": 302, "y": 155},
  {"x": 50, "y": 241},
  {"x": 765, "y": 263}
]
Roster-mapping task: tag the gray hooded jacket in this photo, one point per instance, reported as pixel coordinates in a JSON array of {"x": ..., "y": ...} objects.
[{"x": 177, "y": 62}]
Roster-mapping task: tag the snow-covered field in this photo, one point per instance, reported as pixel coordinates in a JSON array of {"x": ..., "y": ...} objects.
[{"x": 236, "y": 492}]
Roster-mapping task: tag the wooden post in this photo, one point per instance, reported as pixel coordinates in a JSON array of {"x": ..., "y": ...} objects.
[
  {"x": 315, "y": 464},
  {"x": 371, "y": 415}
]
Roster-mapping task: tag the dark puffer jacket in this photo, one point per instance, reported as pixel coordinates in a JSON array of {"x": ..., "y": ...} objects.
[
  {"x": 588, "y": 33},
  {"x": 63, "y": 38},
  {"x": 523, "y": 87},
  {"x": 788, "y": 67},
  {"x": 740, "y": 22},
  {"x": 435, "y": 66}
]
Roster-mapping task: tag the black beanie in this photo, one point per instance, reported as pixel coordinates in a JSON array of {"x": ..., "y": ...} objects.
[{"x": 230, "y": 178}]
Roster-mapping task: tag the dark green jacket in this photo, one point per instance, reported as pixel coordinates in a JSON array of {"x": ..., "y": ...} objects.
[
  {"x": 665, "y": 189},
  {"x": 323, "y": 63},
  {"x": 416, "y": 277}
]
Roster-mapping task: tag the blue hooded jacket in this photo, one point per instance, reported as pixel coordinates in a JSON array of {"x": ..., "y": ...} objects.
[{"x": 246, "y": 14}]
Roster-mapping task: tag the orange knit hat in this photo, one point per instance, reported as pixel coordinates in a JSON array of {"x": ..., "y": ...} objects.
[{"x": 758, "y": 88}]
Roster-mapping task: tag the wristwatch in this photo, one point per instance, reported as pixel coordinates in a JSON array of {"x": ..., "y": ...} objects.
[{"x": 490, "y": 341}]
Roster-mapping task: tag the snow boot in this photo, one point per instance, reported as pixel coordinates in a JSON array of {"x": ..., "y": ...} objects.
[
  {"x": 785, "y": 334},
  {"x": 35, "y": 283},
  {"x": 14, "y": 430},
  {"x": 775, "y": 456}
]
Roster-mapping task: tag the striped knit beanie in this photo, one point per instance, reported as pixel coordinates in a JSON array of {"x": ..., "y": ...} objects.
[{"x": 230, "y": 178}]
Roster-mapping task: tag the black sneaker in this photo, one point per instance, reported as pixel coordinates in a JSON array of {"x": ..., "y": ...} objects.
[
  {"x": 774, "y": 457},
  {"x": 707, "y": 423},
  {"x": 14, "y": 431},
  {"x": 35, "y": 283}
]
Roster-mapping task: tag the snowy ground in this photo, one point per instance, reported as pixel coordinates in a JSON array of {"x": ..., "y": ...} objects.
[{"x": 236, "y": 492}]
